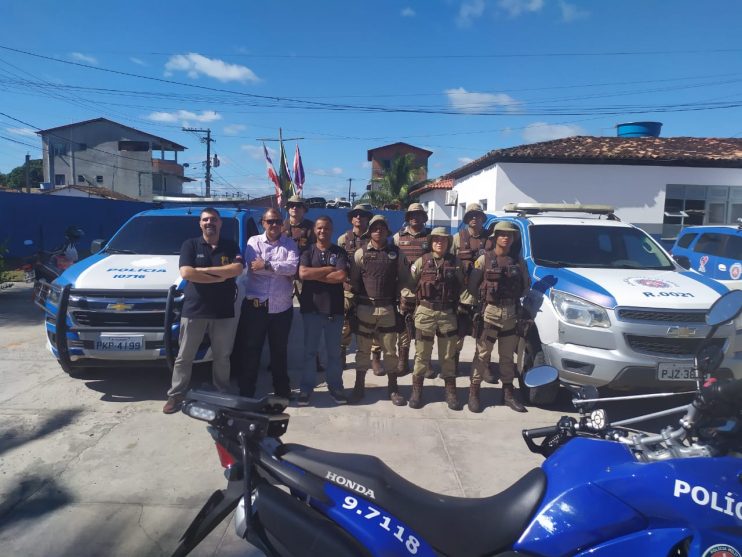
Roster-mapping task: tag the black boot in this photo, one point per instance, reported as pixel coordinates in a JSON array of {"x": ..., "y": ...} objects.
[
  {"x": 490, "y": 377},
  {"x": 343, "y": 355},
  {"x": 376, "y": 364},
  {"x": 403, "y": 368},
  {"x": 474, "y": 403},
  {"x": 394, "y": 395},
  {"x": 451, "y": 399},
  {"x": 416, "y": 399},
  {"x": 359, "y": 388},
  {"x": 511, "y": 398}
]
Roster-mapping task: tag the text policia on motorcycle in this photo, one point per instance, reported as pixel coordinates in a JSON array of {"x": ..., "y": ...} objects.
[{"x": 676, "y": 492}]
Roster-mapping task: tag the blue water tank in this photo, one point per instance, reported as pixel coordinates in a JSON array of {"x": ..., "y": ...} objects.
[{"x": 639, "y": 129}]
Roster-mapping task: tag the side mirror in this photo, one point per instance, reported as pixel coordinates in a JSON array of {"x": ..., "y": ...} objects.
[
  {"x": 682, "y": 260},
  {"x": 725, "y": 309},
  {"x": 97, "y": 245},
  {"x": 28, "y": 242},
  {"x": 540, "y": 376}
]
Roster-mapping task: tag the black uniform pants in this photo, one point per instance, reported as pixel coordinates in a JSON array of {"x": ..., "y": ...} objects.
[{"x": 255, "y": 325}]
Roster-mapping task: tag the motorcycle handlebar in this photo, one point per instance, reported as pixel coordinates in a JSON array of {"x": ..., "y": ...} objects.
[{"x": 537, "y": 432}]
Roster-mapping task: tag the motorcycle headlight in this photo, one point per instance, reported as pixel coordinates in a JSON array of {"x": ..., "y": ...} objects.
[{"x": 576, "y": 311}]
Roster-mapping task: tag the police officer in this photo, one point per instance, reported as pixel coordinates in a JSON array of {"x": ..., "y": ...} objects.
[
  {"x": 500, "y": 281},
  {"x": 468, "y": 244},
  {"x": 296, "y": 227},
  {"x": 350, "y": 241},
  {"x": 440, "y": 279},
  {"x": 413, "y": 241},
  {"x": 378, "y": 273}
]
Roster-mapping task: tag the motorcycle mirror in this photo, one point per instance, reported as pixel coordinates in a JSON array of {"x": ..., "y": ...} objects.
[
  {"x": 28, "y": 242},
  {"x": 708, "y": 358},
  {"x": 725, "y": 309},
  {"x": 540, "y": 376}
]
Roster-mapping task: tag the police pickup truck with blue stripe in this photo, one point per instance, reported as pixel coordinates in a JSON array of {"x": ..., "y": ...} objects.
[
  {"x": 608, "y": 306},
  {"x": 121, "y": 306}
]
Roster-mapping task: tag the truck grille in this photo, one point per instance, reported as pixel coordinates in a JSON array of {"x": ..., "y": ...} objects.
[
  {"x": 121, "y": 319},
  {"x": 667, "y": 316},
  {"x": 685, "y": 347}
]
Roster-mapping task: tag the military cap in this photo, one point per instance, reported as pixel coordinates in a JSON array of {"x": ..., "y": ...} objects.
[
  {"x": 473, "y": 208},
  {"x": 378, "y": 219},
  {"x": 415, "y": 208},
  {"x": 440, "y": 231},
  {"x": 296, "y": 200},
  {"x": 505, "y": 226},
  {"x": 362, "y": 209}
]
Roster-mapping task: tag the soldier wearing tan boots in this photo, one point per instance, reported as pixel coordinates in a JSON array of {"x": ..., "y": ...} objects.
[
  {"x": 413, "y": 241},
  {"x": 440, "y": 279},
  {"x": 469, "y": 244},
  {"x": 500, "y": 281},
  {"x": 350, "y": 241},
  {"x": 378, "y": 274}
]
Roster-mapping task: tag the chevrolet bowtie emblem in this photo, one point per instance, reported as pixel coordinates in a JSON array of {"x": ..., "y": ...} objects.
[
  {"x": 681, "y": 332},
  {"x": 119, "y": 306}
]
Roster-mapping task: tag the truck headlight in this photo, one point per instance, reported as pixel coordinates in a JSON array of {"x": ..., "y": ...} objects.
[{"x": 576, "y": 311}]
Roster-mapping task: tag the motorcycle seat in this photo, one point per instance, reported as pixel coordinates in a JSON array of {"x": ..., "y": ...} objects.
[{"x": 452, "y": 525}]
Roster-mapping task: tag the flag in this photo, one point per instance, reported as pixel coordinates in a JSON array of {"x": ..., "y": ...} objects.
[
  {"x": 298, "y": 171},
  {"x": 272, "y": 175},
  {"x": 284, "y": 175}
]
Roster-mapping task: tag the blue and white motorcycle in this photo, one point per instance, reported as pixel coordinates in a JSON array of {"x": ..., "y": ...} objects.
[{"x": 605, "y": 489}]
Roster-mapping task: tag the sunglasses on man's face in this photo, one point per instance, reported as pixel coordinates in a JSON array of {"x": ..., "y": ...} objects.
[{"x": 273, "y": 222}]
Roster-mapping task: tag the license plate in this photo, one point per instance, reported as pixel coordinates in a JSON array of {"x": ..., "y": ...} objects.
[
  {"x": 675, "y": 372},
  {"x": 110, "y": 343}
]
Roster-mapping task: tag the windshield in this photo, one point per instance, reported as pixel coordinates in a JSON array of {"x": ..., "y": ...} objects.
[
  {"x": 604, "y": 247},
  {"x": 162, "y": 235}
]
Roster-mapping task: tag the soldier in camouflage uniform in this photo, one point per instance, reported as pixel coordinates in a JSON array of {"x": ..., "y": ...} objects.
[
  {"x": 378, "y": 274},
  {"x": 468, "y": 244},
  {"x": 500, "y": 281},
  {"x": 350, "y": 241},
  {"x": 413, "y": 241},
  {"x": 440, "y": 279}
]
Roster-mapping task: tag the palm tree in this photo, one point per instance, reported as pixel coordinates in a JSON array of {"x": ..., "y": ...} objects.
[{"x": 393, "y": 188}]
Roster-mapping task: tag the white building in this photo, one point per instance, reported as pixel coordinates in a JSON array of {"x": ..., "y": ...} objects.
[{"x": 649, "y": 180}]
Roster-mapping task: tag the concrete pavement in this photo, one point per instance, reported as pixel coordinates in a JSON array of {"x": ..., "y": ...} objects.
[{"x": 92, "y": 466}]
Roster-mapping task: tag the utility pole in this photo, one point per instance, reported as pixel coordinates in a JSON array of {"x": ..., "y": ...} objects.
[
  {"x": 350, "y": 181},
  {"x": 28, "y": 170},
  {"x": 208, "y": 141}
]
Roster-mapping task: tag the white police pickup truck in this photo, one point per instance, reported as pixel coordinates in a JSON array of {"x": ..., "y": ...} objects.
[
  {"x": 610, "y": 307},
  {"x": 121, "y": 306}
]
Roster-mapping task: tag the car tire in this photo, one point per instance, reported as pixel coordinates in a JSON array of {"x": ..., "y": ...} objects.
[
  {"x": 540, "y": 396},
  {"x": 74, "y": 372}
]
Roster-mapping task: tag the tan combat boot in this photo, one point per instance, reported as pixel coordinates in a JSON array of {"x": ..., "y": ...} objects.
[
  {"x": 376, "y": 365},
  {"x": 451, "y": 398},
  {"x": 359, "y": 388},
  {"x": 393, "y": 389},
  {"x": 474, "y": 404},
  {"x": 416, "y": 399},
  {"x": 512, "y": 399}
]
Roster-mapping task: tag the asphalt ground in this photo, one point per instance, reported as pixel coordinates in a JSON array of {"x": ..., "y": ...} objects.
[{"x": 92, "y": 467}]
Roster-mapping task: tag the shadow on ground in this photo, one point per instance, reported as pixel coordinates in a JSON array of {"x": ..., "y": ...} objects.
[
  {"x": 17, "y": 307},
  {"x": 13, "y": 438}
]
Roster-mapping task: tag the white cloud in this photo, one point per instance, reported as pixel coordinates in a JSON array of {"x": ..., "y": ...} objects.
[
  {"x": 25, "y": 132},
  {"x": 469, "y": 10},
  {"x": 408, "y": 12},
  {"x": 256, "y": 152},
  {"x": 469, "y": 101},
  {"x": 184, "y": 116},
  {"x": 514, "y": 8},
  {"x": 80, "y": 57},
  {"x": 334, "y": 171},
  {"x": 196, "y": 64},
  {"x": 541, "y": 131},
  {"x": 465, "y": 160},
  {"x": 138, "y": 61},
  {"x": 570, "y": 12},
  {"x": 234, "y": 129}
]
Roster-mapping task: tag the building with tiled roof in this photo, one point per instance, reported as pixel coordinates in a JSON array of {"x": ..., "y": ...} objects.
[{"x": 658, "y": 183}]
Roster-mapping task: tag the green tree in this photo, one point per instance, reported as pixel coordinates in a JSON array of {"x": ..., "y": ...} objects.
[
  {"x": 17, "y": 177},
  {"x": 394, "y": 187}
]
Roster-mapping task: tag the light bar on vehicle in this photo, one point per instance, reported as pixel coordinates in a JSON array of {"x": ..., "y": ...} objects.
[{"x": 536, "y": 208}]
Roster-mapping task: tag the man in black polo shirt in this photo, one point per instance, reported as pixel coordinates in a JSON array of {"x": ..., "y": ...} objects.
[
  {"x": 323, "y": 268},
  {"x": 209, "y": 264}
]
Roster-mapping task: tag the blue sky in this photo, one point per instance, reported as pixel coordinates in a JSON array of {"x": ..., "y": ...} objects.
[{"x": 456, "y": 77}]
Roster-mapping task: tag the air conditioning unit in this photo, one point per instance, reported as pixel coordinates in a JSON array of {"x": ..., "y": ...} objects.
[{"x": 452, "y": 197}]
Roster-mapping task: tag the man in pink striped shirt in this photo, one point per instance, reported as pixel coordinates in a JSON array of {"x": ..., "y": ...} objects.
[{"x": 271, "y": 261}]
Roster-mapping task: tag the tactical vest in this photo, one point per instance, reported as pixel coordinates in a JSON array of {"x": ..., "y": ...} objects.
[
  {"x": 438, "y": 283},
  {"x": 300, "y": 233},
  {"x": 471, "y": 248},
  {"x": 379, "y": 272},
  {"x": 352, "y": 243},
  {"x": 503, "y": 279},
  {"x": 413, "y": 247}
]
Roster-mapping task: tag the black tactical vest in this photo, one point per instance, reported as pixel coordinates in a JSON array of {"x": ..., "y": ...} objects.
[
  {"x": 352, "y": 243},
  {"x": 471, "y": 248},
  {"x": 503, "y": 279},
  {"x": 300, "y": 233},
  {"x": 438, "y": 283},
  {"x": 413, "y": 247},
  {"x": 379, "y": 272}
]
